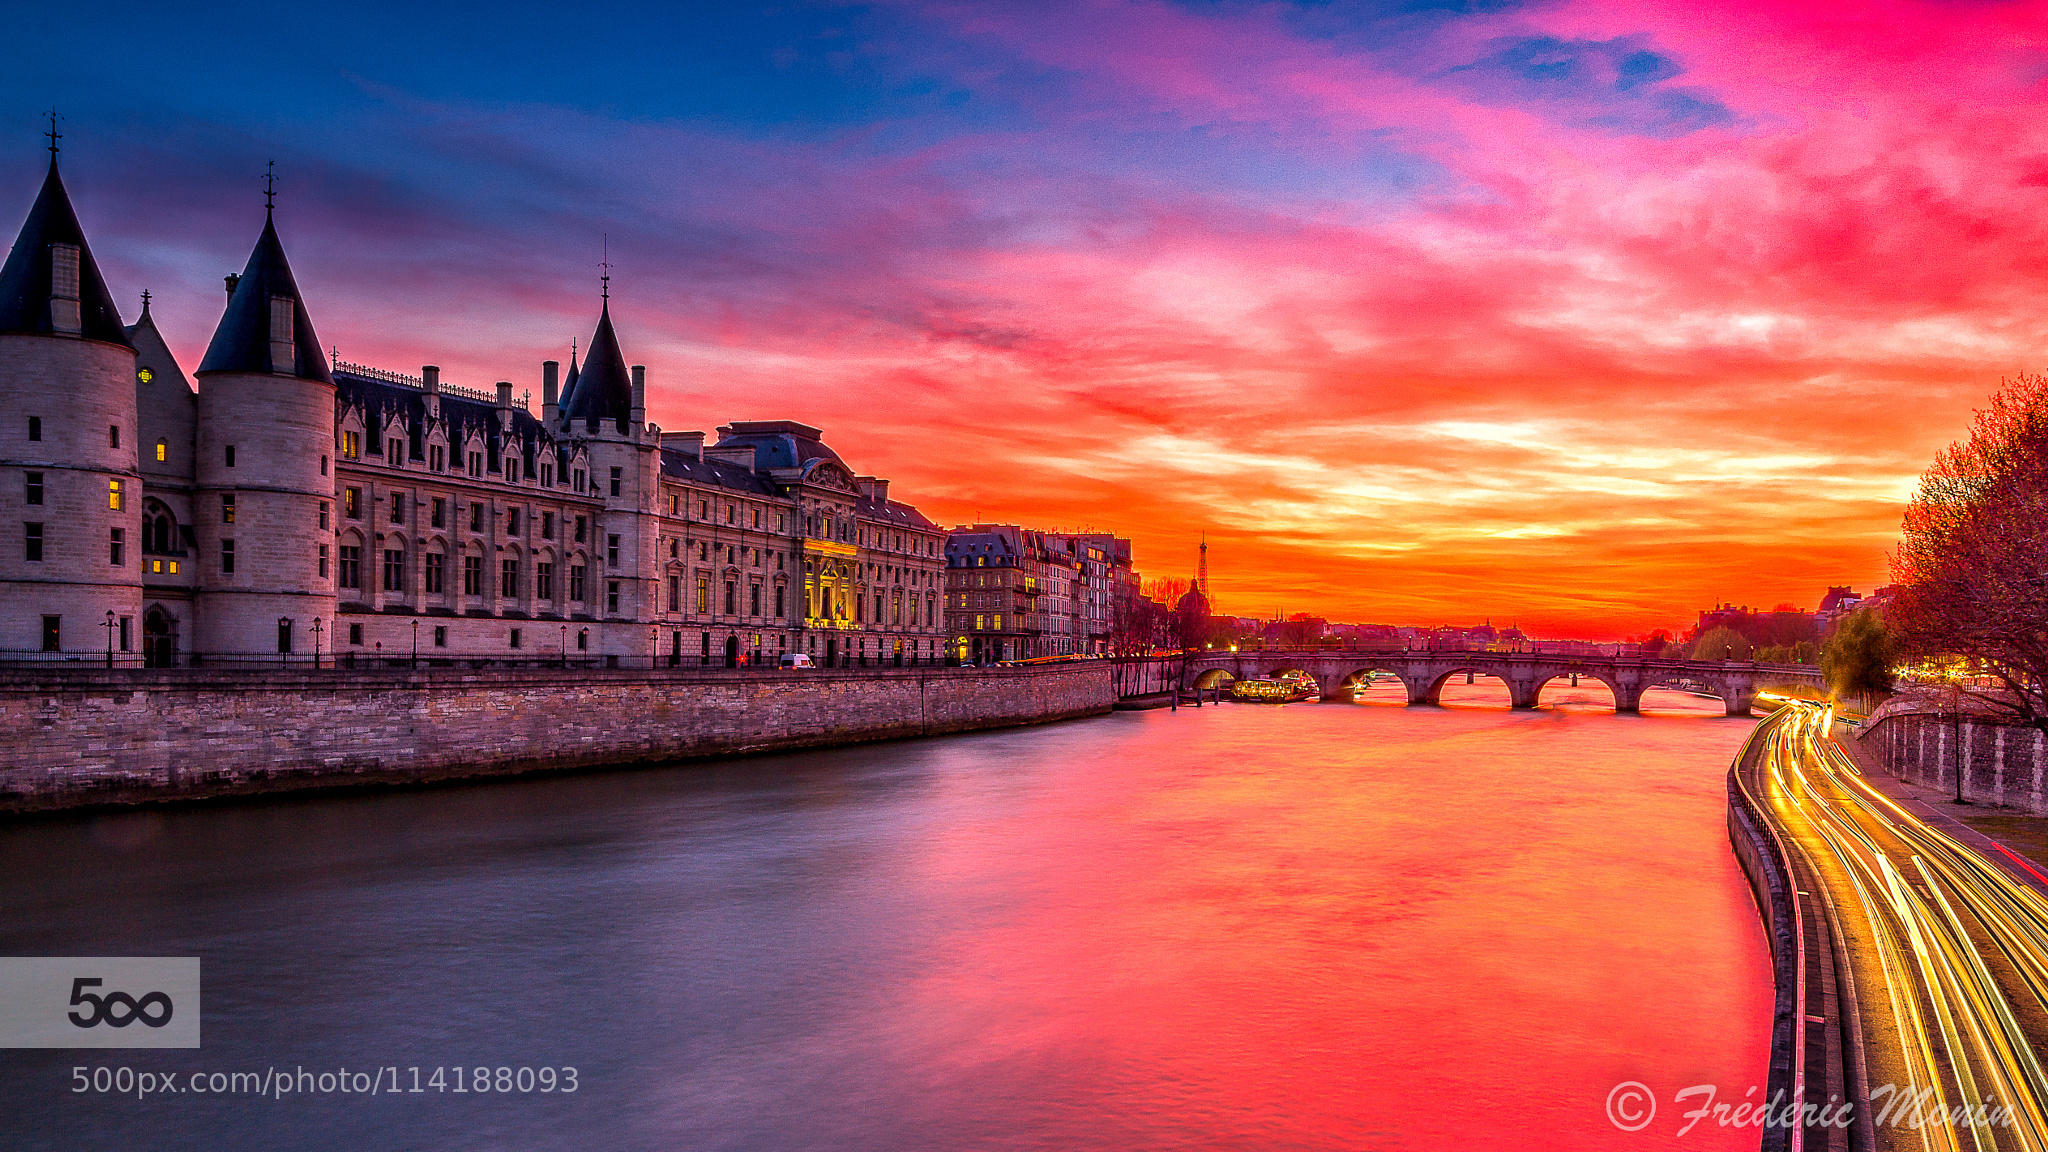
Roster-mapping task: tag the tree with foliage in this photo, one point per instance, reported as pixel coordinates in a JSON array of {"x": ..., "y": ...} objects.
[
  {"x": 1972, "y": 565},
  {"x": 1721, "y": 643},
  {"x": 1857, "y": 659}
]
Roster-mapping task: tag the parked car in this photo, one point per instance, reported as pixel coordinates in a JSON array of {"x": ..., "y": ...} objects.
[{"x": 797, "y": 660}]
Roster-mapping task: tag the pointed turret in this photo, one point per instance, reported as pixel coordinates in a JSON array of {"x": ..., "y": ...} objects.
[
  {"x": 569, "y": 381},
  {"x": 266, "y": 329},
  {"x": 604, "y": 389},
  {"x": 51, "y": 285}
]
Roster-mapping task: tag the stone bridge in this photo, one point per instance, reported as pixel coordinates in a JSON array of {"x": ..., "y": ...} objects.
[{"x": 1425, "y": 672}]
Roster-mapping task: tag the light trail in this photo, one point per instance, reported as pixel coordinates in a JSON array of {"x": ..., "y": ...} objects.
[{"x": 1962, "y": 943}]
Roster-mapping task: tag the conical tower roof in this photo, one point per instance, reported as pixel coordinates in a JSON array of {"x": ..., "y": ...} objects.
[
  {"x": 243, "y": 341},
  {"x": 569, "y": 381},
  {"x": 26, "y": 279},
  {"x": 604, "y": 391}
]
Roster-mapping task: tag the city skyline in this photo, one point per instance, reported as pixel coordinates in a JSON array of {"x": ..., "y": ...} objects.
[{"x": 1585, "y": 318}]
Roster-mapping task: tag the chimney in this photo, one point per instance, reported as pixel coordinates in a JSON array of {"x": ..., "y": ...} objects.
[
  {"x": 874, "y": 488},
  {"x": 430, "y": 379},
  {"x": 690, "y": 444},
  {"x": 639, "y": 394},
  {"x": 232, "y": 279},
  {"x": 550, "y": 383},
  {"x": 505, "y": 394}
]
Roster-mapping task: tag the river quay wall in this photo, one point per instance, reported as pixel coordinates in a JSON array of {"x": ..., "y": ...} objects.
[
  {"x": 2001, "y": 763},
  {"x": 71, "y": 738}
]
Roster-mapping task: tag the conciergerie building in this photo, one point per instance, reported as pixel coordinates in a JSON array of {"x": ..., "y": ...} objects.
[{"x": 270, "y": 502}]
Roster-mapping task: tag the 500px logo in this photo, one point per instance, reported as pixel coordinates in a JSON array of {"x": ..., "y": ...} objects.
[
  {"x": 117, "y": 1009},
  {"x": 96, "y": 1001}
]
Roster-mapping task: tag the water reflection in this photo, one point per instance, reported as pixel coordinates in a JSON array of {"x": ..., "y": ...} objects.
[{"x": 1310, "y": 926}]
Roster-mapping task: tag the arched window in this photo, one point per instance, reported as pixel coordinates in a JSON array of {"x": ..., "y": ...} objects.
[{"x": 160, "y": 530}]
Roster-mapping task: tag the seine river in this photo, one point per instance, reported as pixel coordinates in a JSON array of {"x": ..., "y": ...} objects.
[{"x": 1327, "y": 926}]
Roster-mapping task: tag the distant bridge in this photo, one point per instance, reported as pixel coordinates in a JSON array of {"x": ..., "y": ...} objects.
[{"x": 1425, "y": 672}]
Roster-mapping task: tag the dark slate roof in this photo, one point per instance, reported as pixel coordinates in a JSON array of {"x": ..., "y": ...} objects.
[
  {"x": 568, "y": 386},
  {"x": 379, "y": 400},
  {"x": 778, "y": 443},
  {"x": 996, "y": 545},
  {"x": 695, "y": 470},
  {"x": 604, "y": 391},
  {"x": 892, "y": 512},
  {"x": 25, "y": 279},
  {"x": 242, "y": 342}
]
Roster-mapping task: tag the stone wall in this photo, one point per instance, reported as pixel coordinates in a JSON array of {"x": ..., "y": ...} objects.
[
  {"x": 2003, "y": 763},
  {"x": 72, "y": 737}
]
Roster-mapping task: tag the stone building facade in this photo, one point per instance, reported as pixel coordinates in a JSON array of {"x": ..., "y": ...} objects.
[
  {"x": 1016, "y": 593},
  {"x": 272, "y": 504}
]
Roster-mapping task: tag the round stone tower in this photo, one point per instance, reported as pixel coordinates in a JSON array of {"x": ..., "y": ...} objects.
[
  {"x": 70, "y": 491},
  {"x": 264, "y": 505}
]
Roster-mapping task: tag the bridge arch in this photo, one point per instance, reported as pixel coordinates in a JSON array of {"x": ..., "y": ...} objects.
[
  {"x": 1214, "y": 678},
  {"x": 1520, "y": 693},
  {"x": 1624, "y": 699}
]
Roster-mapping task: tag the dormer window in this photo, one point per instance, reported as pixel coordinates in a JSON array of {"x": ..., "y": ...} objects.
[
  {"x": 64, "y": 288},
  {"x": 283, "y": 357}
]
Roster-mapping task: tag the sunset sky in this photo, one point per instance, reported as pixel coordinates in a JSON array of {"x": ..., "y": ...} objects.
[{"x": 1583, "y": 316}]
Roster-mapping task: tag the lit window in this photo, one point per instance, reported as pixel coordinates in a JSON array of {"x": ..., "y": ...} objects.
[
  {"x": 114, "y": 495},
  {"x": 162, "y": 449}
]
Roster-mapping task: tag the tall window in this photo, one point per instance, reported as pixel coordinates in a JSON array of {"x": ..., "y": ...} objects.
[
  {"x": 351, "y": 445},
  {"x": 323, "y": 562},
  {"x": 227, "y": 508},
  {"x": 730, "y": 595},
  {"x": 435, "y": 565},
  {"x": 576, "y": 589},
  {"x": 615, "y": 481},
  {"x": 675, "y": 593},
  {"x": 351, "y": 574},
  {"x": 52, "y": 633},
  {"x": 703, "y": 594},
  {"x": 115, "y": 495},
  {"x": 352, "y": 503},
  {"x": 35, "y": 427},
  {"x": 754, "y": 601},
  {"x": 283, "y": 357},
  {"x": 34, "y": 495},
  {"x": 778, "y": 600},
  {"x": 64, "y": 315},
  {"x": 163, "y": 451},
  {"x": 323, "y": 515},
  {"x": 544, "y": 580},
  {"x": 116, "y": 553},
  {"x": 476, "y": 517},
  {"x": 398, "y": 507},
  {"x": 394, "y": 569},
  {"x": 611, "y": 551},
  {"x": 227, "y": 557},
  {"x": 611, "y": 596},
  {"x": 440, "y": 511},
  {"x": 472, "y": 575}
]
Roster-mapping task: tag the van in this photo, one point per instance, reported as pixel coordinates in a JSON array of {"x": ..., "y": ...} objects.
[{"x": 797, "y": 660}]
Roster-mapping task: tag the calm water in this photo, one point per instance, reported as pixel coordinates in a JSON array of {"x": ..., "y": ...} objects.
[{"x": 1316, "y": 926}]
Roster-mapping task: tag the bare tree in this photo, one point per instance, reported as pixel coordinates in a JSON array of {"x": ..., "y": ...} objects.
[{"x": 1972, "y": 566}]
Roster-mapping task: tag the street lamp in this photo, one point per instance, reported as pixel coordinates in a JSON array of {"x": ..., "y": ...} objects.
[
  {"x": 316, "y": 643},
  {"x": 563, "y": 650},
  {"x": 1955, "y": 720},
  {"x": 109, "y": 626},
  {"x": 284, "y": 652},
  {"x": 415, "y": 644}
]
